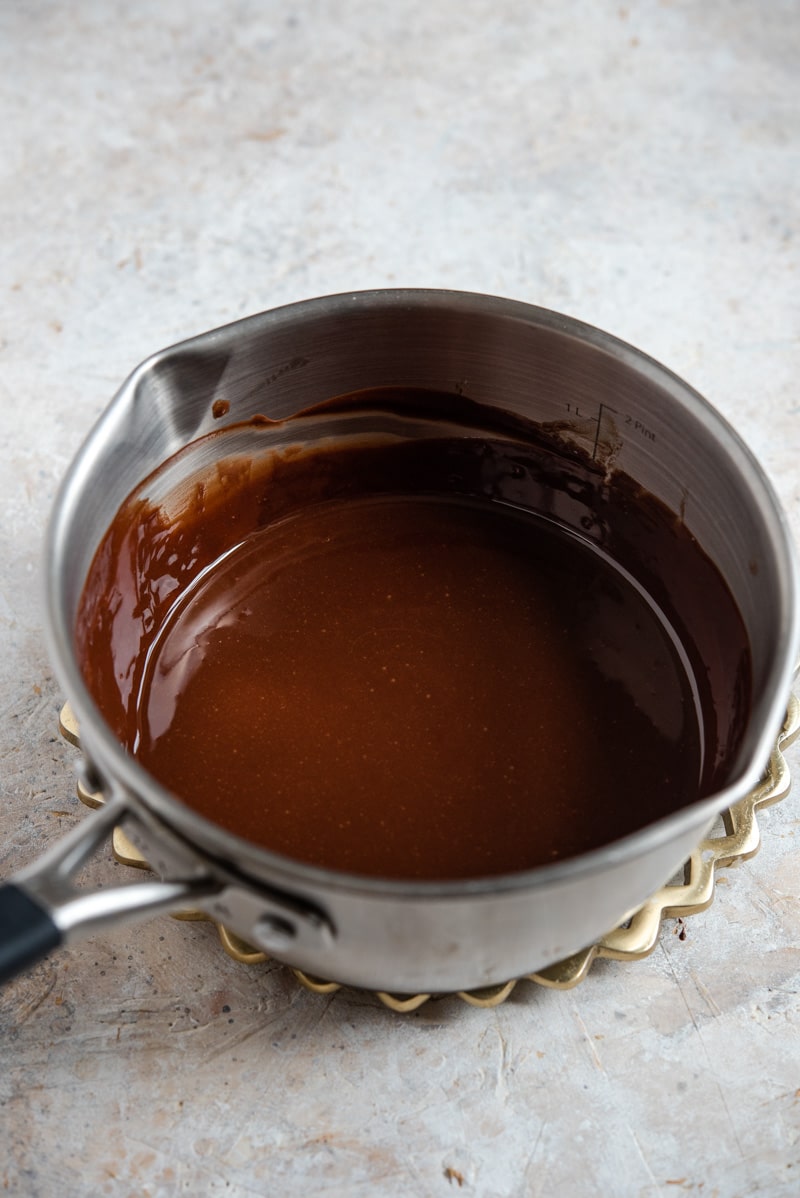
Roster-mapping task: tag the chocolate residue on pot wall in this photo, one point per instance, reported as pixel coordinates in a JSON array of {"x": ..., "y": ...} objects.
[{"x": 535, "y": 704}]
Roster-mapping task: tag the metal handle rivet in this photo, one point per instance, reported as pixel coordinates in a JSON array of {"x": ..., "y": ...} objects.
[{"x": 274, "y": 933}]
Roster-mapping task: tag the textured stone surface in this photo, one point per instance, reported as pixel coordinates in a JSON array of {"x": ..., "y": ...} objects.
[{"x": 166, "y": 167}]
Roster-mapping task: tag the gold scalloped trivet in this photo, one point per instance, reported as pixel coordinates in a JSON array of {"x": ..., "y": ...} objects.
[{"x": 738, "y": 839}]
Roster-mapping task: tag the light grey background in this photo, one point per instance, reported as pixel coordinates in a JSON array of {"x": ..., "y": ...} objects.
[{"x": 167, "y": 167}]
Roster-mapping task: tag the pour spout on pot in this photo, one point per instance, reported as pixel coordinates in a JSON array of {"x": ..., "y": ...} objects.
[{"x": 40, "y": 909}]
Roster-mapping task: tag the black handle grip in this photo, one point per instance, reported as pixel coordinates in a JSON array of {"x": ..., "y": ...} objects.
[{"x": 27, "y": 932}]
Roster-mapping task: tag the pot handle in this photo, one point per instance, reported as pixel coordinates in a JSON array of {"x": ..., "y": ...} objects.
[
  {"x": 40, "y": 909},
  {"x": 27, "y": 931}
]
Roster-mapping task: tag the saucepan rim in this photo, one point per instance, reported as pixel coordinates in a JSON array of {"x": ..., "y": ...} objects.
[{"x": 116, "y": 765}]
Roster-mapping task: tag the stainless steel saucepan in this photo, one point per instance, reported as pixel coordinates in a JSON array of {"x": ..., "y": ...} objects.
[{"x": 603, "y": 396}]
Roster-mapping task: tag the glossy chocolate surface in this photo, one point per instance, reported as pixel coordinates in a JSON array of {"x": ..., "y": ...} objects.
[{"x": 361, "y": 655}]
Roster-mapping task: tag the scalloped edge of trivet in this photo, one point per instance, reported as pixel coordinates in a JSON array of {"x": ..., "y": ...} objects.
[{"x": 632, "y": 941}]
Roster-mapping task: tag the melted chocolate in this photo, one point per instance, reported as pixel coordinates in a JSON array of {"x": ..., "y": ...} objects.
[{"x": 362, "y": 656}]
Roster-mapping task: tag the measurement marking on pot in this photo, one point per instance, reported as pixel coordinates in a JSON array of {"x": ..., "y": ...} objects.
[
  {"x": 629, "y": 422},
  {"x": 638, "y": 427}
]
